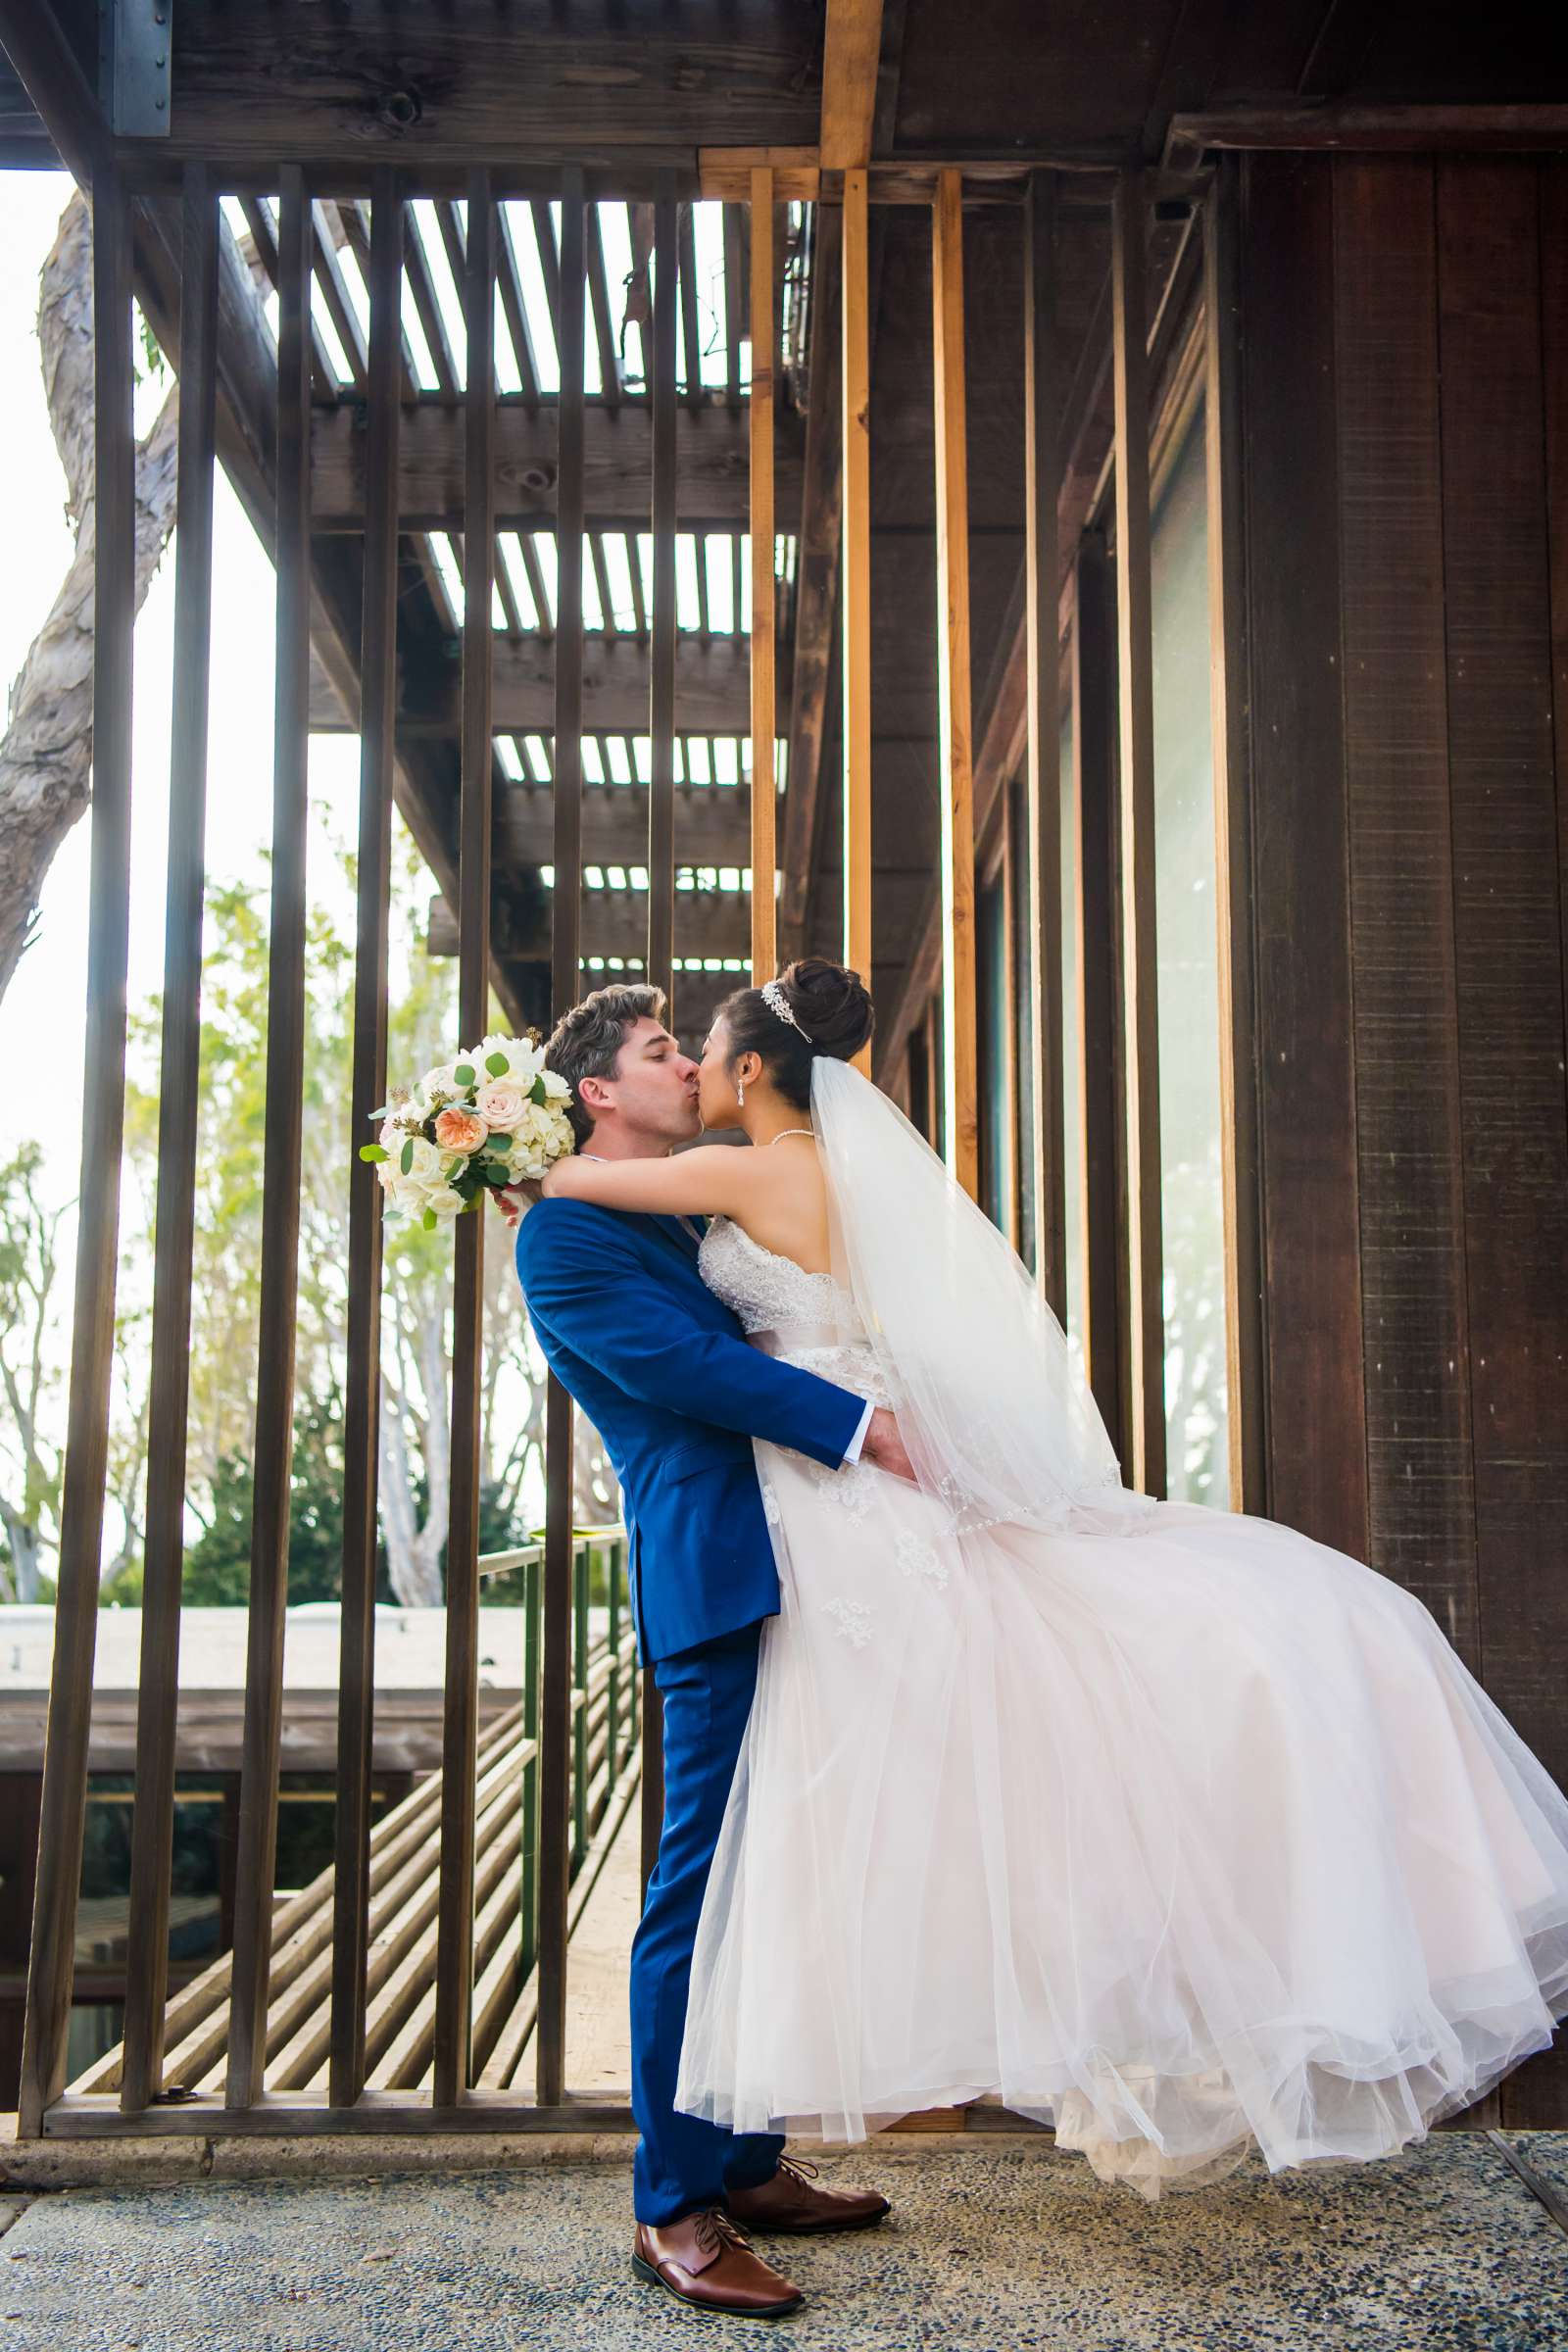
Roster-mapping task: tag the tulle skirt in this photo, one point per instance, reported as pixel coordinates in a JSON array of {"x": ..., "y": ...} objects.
[{"x": 1183, "y": 1841}]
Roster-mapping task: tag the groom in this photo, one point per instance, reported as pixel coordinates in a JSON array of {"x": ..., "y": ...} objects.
[{"x": 661, "y": 1368}]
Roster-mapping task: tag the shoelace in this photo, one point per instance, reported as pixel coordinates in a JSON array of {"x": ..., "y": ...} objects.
[
  {"x": 798, "y": 2169},
  {"x": 715, "y": 2230}
]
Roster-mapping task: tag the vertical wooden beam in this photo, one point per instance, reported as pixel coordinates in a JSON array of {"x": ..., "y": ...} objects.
[
  {"x": 1042, "y": 423},
  {"x": 961, "y": 1075},
  {"x": 163, "y": 1551},
  {"x": 51, "y": 1963},
  {"x": 256, "y": 1837},
  {"x": 660, "y": 800},
  {"x": 1094, "y": 787},
  {"x": 764, "y": 624},
  {"x": 852, "y": 46},
  {"x": 1134, "y": 670},
  {"x": 454, "y": 1981},
  {"x": 1241, "y": 1172},
  {"x": 362, "y": 1393},
  {"x": 555, "y": 1759},
  {"x": 855, "y": 598},
  {"x": 662, "y": 689}
]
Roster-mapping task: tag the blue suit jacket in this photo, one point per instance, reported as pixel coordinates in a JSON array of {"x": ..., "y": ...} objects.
[{"x": 661, "y": 1368}]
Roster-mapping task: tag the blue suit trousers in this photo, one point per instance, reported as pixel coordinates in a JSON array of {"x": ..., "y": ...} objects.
[{"x": 682, "y": 2162}]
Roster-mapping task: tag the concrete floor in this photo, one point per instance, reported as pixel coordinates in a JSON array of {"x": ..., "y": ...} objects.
[{"x": 987, "y": 2249}]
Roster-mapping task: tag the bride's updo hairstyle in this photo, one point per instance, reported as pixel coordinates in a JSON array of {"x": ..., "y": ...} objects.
[{"x": 834, "y": 1012}]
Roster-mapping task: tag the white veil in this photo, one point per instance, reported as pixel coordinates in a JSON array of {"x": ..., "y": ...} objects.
[{"x": 999, "y": 1422}]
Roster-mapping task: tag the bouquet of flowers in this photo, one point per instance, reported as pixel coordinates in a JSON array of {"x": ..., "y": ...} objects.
[{"x": 489, "y": 1117}]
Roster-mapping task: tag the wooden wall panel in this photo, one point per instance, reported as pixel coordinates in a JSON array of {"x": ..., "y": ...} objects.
[
  {"x": 1415, "y": 1326},
  {"x": 1508, "y": 936},
  {"x": 1306, "y": 1109}
]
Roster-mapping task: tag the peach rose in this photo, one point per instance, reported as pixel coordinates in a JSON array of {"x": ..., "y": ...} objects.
[
  {"x": 502, "y": 1105},
  {"x": 460, "y": 1130}
]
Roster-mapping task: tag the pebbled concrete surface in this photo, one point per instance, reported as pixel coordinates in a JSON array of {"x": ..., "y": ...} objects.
[{"x": 1442, "y": 2248}]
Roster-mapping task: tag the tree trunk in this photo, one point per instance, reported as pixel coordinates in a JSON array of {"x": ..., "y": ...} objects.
[{"x": 46, "y": 755}]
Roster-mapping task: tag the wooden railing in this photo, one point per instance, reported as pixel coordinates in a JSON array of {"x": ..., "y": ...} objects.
[{"x": 404, "y": 1884}]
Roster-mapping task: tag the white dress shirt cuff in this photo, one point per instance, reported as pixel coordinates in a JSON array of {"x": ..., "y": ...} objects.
[{"x": 852, "y": 1451}]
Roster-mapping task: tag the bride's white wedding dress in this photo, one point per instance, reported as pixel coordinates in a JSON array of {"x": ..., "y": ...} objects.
[{"x": 1175, "y": 1828}]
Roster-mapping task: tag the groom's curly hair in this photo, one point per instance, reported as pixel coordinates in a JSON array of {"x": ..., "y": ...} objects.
[{"x": 586, "y": 1041}]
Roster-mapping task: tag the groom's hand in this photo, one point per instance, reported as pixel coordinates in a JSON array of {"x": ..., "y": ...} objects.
[{"x": 883, "y": 1445}]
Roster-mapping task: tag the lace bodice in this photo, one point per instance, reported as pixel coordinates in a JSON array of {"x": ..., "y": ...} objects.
[
  {"x": 772, "y": 1293},
  {"x": 768, "y": 1291}
]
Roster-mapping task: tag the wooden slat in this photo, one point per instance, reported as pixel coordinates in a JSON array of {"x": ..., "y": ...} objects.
[
  {"x": 555, "y": 1774},
  {"x": 764, "y": 624},
  {"x": 454, "y": 1985},
  {"x": 511, "y": 301},
  {"x": 602, "y": 314},
  {"x": 854, "y": 592},
  {"x": 691, "y": 332},
  {"x": 1240, "y": 1177},
  {"x": 1306, "y": 1079},
  {"x": 960, "y": 1073},
  {"x": 427, "y": 307},
  {"x": 164, "y": 1545},
  {"x": 1134, "y": 670},
  {"x": 1044, "y": 1147},
  {"x": 1093, "y": 788},
  {"x": 852, "y": 46},
  {"x": 51, "y": 1958},
  {"x": 362, "y": 1394},
  {"x": 280, "y": 1190}
]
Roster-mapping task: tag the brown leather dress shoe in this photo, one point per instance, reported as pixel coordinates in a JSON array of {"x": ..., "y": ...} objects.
[
  {"x": 792, "y": 2200},
  {"x": 704, "y": 2260}
]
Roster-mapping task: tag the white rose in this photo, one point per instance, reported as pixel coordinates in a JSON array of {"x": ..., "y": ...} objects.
[
  {"x": 555, "y": 1088},
  {"x": 438, "y": 1086},
  {"x": 502, "y": 1105}
]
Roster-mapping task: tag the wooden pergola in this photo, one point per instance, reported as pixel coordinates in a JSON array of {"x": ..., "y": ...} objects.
[{"x": 682, "y": 659}]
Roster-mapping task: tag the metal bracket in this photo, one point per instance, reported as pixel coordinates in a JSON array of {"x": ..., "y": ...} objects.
[{"x": 133, "y": 65}]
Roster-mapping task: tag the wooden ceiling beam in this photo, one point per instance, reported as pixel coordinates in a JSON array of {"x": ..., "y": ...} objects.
[
  {"x": 614, "y": 922},
  {"x": 712, "y": 825},
  {"x": 477, "y": 84},
  {"x": 712, "y": 450},
  {"x": 1336, "y": 129},
  {"x": 712, "y": 690}
]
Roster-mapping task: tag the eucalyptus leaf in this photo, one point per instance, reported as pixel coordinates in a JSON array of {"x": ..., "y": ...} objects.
[
  {"x": 429, "y": 1220},
  {"x": 373, "y": 1151},
  {"x": 497, "y": 1064},
  {"x": 536, "y": 1092},
  {"x": 464, "y": 1072},
  {"x": 406, "y": 1161}
]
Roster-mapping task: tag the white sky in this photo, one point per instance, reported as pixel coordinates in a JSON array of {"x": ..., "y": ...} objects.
[{"x": 44, "y": 1005}]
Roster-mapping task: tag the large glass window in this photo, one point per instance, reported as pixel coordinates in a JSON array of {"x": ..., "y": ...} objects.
[{"x": 1191, "y": 1194}]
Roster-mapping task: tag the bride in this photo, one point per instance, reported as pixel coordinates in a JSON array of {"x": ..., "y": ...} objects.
[{"x": 1175, "y": 1828}]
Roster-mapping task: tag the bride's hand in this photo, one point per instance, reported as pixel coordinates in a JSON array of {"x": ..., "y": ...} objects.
[{"x": 883, "y": 1445}]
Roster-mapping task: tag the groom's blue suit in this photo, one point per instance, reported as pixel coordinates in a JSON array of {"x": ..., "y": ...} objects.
[{"x": 662, "y": 1371}]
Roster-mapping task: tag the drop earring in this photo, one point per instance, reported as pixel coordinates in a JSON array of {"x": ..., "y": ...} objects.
[{"x": 740, "y": 1094}]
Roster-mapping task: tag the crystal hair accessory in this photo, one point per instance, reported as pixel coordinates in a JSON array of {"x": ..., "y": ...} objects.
[{"x": 774, "y": 999}]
